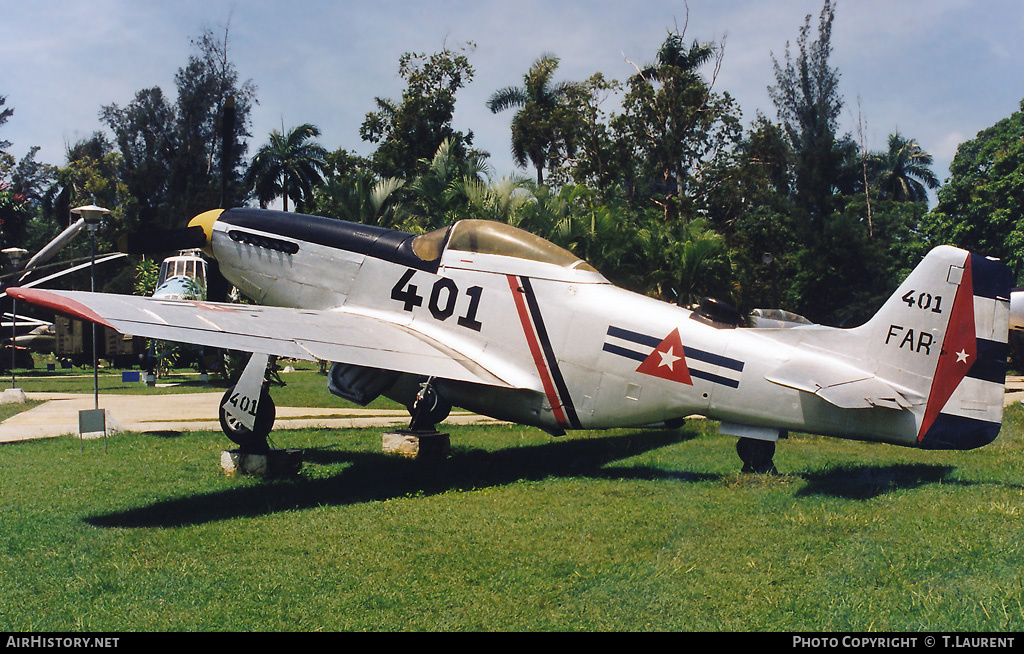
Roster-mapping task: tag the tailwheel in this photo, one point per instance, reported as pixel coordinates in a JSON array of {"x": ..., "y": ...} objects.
[
  {"x": 255, "y": 440},
  {"x": 757, "y": 456}
]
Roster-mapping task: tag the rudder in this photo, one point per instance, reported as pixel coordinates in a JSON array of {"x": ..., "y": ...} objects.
[
  {"x": 965, "y": 405},
  {"x": 943, "y": 336}
]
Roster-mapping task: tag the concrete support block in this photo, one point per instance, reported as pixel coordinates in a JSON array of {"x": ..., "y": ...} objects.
[
  {"x": 417, "y": 445},
  {"x": 275, "y": 463}
]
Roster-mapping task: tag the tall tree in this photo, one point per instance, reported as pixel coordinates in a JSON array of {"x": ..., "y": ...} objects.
[
  {"x": 674, "y": 124},
  {"x": 903, "y": 172},
  {"x": 204, "y": 85},
  {"x": 542, "y": 129},
  {"x": 172, "y": 154},
  {"x": 409, "y": 132},
  {"x": 806, "y": 96},
  {"x": 145, "y": 134},
  {"x": 289, "y": 166}
]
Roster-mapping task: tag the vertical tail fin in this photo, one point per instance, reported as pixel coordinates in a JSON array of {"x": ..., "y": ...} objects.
[{"x": 943, "y": 336}]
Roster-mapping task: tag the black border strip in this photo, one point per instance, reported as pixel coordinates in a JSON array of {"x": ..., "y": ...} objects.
[
  {"x": 712, "y": 358},
  {"x": 714, "y": 379},
  {"x": 991, "y": 278},
  {"x": 990, "y": 364},
  {"x": 549, "y": 353},
  {"x": 623, "y": 352},
  {"x": 636, "y": 337}
]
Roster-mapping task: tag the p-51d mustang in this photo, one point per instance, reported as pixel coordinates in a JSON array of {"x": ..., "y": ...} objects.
[{"x": 490, "y": 318}]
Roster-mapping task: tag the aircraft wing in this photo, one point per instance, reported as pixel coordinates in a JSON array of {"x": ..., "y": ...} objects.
[
  {"x": 331, "y": 335},
  {"x": 840, "y": 385}
]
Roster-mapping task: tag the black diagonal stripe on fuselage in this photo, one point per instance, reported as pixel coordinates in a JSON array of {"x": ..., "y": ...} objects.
[{"x": 549, "y": 353}]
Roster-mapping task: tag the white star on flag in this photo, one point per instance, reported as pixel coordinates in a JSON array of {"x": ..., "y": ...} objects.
[
  {"x": 668, "y": 358},
  {"x": 961, "y": 356}
]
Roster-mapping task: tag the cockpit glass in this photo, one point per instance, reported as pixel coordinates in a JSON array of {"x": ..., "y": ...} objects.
[
  {"x": 490, "y": 237},
  {"x": 428, "y": 247}
]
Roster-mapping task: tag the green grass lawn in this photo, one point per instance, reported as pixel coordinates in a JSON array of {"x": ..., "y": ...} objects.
[{"x": 618, "y": 530}]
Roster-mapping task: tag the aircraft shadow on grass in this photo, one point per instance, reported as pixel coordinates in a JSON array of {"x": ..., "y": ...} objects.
[
  {"x": 378, "y": 476},
  {"x": 862, "y": 482}
]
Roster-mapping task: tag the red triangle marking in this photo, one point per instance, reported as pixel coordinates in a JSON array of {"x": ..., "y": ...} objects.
[
  {"x": 668, "y": 361},
  {"x": 959, "y": 350}
]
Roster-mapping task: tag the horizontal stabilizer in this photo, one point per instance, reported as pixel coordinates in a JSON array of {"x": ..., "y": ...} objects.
[{"x": 843, "y": 386}]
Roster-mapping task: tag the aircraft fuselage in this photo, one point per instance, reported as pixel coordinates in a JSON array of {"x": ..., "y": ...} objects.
[{"x": 605, "y": 357}]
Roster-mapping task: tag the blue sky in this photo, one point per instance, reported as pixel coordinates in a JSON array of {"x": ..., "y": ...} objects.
[{"x": 937, "y": 70}]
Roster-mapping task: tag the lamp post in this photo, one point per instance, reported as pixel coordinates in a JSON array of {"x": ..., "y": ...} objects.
[
  {"x": 14, "y": 255},
  {"x": 92, "y": 215}
]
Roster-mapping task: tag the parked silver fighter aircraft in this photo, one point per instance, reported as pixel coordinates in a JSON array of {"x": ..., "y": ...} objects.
[{"x": 498, "y": 321}]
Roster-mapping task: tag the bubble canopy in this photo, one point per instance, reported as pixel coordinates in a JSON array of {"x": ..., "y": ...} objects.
[{"x": 490, "y": 237}]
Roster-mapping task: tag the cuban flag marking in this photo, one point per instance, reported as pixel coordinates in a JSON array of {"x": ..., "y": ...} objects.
[
  {"x": 964, "y": 408},
  {"x": 667, "y": 358}
]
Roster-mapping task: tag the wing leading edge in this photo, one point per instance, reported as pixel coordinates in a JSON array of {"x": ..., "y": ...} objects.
[{"x": 332, "y": 335}]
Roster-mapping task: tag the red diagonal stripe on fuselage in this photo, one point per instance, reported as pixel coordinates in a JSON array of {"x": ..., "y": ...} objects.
[{"x": 538, "y": 356}]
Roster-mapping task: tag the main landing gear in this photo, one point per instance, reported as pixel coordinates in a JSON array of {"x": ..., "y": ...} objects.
[
  {"x": 757, "y": 456},
  {"x": 247, "y": 412},
  {"x": 427, "y": 409},
  {"x": 249, "y": 441}
]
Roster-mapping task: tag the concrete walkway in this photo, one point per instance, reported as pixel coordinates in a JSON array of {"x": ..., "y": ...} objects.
[{"x": 58, "y": 415}]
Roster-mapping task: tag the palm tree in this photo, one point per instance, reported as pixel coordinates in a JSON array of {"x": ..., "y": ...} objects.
[
  {"x": 362, "y": 197},
  {"x": 675, "y": 60},
  {"x": 439, "y": 193},
  {"x": 903, "y": 172},
  {"x": 537, "y": 132},
  {"x": 288, "y": 166}
]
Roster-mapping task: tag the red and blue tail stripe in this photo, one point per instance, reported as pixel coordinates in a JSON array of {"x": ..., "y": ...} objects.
[{"x": 967, "y": 388}]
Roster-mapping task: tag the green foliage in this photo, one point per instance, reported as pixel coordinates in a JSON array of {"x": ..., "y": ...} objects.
[
  {"x": 438, "y": 196},
  {"x": 14, "y": 218},
  {"x": 5, "y": 115},
  {"x": 289, "y": 166},
  {"x": 806, "y": 95},
  {"x": 543, "y": 130},
  {"x": 981, "y": 207},
  {"x": 410, "y": 131},
  {"x": 903, "y": 173},
  {"x": 206, "y": 85},
  {"x": 361, "y": 197},
  {"x": 147, "y": 273},
  {"x": 673, "y": 126}
]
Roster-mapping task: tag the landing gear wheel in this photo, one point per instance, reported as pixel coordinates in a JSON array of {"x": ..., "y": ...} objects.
[
  {"x": 428, "y": 408},
  {"x": 254, "y": 441},
  {"x": 757, "y": 456}
]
